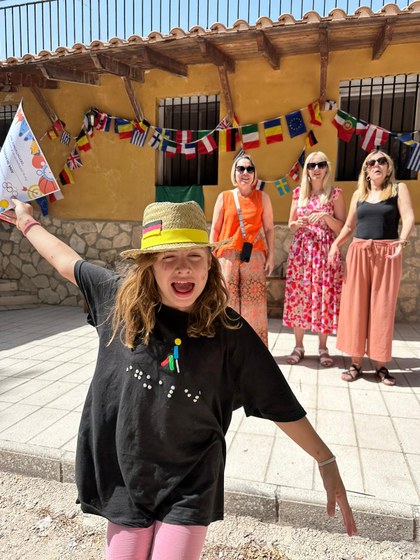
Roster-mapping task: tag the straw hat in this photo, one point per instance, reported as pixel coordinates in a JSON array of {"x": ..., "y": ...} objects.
[{"x": 172, "y": 225}]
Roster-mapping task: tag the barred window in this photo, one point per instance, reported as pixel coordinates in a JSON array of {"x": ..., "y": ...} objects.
[
  {"x": 392, "y": 102},
  {"x": 189, "y": 114},
  {"x": 7, "y": 113}
]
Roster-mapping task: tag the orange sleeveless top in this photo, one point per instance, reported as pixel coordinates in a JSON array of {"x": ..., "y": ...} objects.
[{"x": 252, "y": 211}]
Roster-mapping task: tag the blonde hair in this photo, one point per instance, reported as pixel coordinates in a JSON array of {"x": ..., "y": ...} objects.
[
  {"x": 233, "y": 169},
  {"x": 306, "y": 187},
  {"x": 389, "y": 187},
  {"x": 138, "y": 298}
]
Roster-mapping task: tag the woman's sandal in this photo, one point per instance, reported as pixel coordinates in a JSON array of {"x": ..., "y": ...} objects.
[
  {"x": 324, "y": 358},
  {"x": 296, "y": 355},
  {"x": 352, "y": 373},
  {"x": 384, "y": 377}
]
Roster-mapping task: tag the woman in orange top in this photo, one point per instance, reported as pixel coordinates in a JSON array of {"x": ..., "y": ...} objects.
[{"x": 245, "y": 276}]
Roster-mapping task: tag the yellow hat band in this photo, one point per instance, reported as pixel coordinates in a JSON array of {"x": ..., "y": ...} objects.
[{"x": 155, "y": 238}]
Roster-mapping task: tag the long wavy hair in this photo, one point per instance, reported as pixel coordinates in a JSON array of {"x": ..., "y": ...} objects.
[
  {"x": 389, "y": 186},
  {"x": 306, "y": 187},
  {"x": 233, "y": 169},
  {"x": 138, "y": 299}
]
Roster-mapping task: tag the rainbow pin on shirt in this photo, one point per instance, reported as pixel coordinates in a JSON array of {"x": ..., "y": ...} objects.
[{"x": 173, "y": 359}]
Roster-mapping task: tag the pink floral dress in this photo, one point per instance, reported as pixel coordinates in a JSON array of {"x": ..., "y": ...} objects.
[{"x": 313, "y": 287}]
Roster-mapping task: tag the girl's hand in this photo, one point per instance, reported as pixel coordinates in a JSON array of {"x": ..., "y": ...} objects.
[
  {"x": 302, "y": 221},
  {"x": 23, "y": 213},
  {"x": 316, "y": 217},
  {"x": 395, "y": 248},
  {"x": 336, "y": 495},
  {"x": 332, "y": 255}
]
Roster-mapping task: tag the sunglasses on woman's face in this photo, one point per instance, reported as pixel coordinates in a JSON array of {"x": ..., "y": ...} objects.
[
  {"x": 319, "y": 164},
  {"x": 382, "y": 161},
  {"x": 241, "y": 169}
]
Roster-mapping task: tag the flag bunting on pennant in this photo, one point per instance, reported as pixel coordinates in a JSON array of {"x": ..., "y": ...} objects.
[
  {"x": 406, "y": 138},
  {"x": 301, "y": 158},
  {"x": 227, "y": 139},
  {"x": 190, "y": 150},
  {"x": 124, "y": 128},
  {"x": 169, "y": 147},
  {"x": 295, "y": 124},
  {"x": 66, "y": 176},
  {"x": 282, "y": 186},
  {"x": 206, "y": 144},
  {"x": 82, "y": 141},
  {"x": 310, "y": 140},
  {"x": 74, "y": 161},
  {"x": 250, "y": 137},
  {"x": 140, "y": 132},
  {"x": 273, "y": 131},
  {"x": 294, "y": 171},
  {"x": 414, "y": 161},
  {"x": 315, "y": 113},
  {"x": 65, "y": 138},
  {"x": 374, "y": 136},
  {"x": 52, "y": 134},
  {"x": 260, "y": 185}
]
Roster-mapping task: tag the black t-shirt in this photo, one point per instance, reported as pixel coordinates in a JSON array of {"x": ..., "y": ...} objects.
[
  {"x": 151, "y": 441},
  {"x": 378, "y": 220}
]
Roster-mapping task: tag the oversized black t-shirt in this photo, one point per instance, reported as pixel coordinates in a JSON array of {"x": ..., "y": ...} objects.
[{"x": 151, "y": 441}]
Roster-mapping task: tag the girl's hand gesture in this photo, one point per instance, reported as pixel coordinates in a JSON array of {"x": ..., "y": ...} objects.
[{"x": 336, "y": 496}]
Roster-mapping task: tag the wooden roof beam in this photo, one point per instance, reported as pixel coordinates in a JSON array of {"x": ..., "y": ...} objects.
[
  {"x": 267, "y": 49},
  {"x": 324, "y": 52},
  {"x": 65, "y": 74},
  {"x": 132, "y": 97},
  {"x": 163, "y": 62},
  {"x": 227, "y": 95},
  {"x": 106, "y": 63},
  {"x": 16, "y": 80},
  {"x": 383, "y": 39},
  {"x": 215, "y": 55}
]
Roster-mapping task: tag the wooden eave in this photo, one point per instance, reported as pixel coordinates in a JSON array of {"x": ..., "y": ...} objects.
[{"x": 223, "y": 47}]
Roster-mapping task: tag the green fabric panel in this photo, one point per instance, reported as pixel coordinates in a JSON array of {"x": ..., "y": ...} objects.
[{"x": 180, "y": 194}]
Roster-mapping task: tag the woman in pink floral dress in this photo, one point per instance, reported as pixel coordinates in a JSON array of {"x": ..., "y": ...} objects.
[{"x": 313, "y": 287}]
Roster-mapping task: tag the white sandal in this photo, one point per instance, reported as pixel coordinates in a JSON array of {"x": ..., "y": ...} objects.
[
  {"x": 296, "y": 356},
  {"x": 324, "y": 358}
]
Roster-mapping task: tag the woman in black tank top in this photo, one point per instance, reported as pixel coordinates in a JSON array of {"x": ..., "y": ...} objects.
[{"x": 373, "y": 266}]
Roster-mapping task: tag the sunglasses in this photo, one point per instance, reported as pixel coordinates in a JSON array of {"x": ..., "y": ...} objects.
[
  {"x": 381, "y": 161},
  {"x": 241, "y": 169},
  {"x": 319, "y": 164}
]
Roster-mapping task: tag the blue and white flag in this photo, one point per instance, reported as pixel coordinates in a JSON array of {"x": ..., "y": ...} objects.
[{"x": 414, "y": 161}]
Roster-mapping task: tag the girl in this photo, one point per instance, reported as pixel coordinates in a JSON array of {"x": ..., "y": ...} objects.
[{"x": 174, "y": 362}]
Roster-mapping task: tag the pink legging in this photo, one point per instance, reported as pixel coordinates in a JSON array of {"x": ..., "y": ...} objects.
[{"x": 160, "y": 541}]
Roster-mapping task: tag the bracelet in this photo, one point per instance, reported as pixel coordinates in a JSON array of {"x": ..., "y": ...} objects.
[
  {"x": 327, "y": 462},
  {"x": 28, "y": 226}
]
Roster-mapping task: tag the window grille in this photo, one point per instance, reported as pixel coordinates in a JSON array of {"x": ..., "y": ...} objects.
[
  {"x": 7, "y": 114},
  {"x": 189, "y": 113},
  {"x": 392, "y": 102}
]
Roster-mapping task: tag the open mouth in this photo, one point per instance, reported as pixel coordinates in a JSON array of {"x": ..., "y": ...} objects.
[{"x": 183, "y": 288}]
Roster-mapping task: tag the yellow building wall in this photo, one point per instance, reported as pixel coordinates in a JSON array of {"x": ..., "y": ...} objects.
[{"x": 117, "y": 180}]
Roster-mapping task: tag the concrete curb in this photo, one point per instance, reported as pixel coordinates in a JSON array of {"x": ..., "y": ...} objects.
[{"x": 377, "y": 520}]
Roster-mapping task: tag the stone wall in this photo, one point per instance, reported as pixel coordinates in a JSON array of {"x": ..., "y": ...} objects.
[{"x": 102, "y": 242}]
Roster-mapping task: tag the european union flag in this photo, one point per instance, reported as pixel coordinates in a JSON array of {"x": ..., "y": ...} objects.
[{"x": 295, "y": 124}]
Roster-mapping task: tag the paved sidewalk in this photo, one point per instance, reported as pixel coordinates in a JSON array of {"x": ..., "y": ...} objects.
[{"x": 47, "y": 357}]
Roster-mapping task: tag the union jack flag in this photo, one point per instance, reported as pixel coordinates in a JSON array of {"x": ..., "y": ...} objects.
[{"x": 74, "y": 160}]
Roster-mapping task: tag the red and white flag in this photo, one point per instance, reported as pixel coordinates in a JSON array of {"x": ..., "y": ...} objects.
[{"x": 374, "y": 136}]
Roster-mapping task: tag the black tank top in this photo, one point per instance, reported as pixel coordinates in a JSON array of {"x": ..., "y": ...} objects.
[{"x": 379, "y": 220}]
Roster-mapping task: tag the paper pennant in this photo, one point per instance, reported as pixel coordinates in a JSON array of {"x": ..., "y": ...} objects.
[
  {"x": 295, "y": 124},
  {"x": 273, "y": 131},
  {"x": 282, "y": 186}
]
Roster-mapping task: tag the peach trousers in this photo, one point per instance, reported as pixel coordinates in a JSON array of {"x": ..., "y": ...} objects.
[{"x": 369, "y": 299}]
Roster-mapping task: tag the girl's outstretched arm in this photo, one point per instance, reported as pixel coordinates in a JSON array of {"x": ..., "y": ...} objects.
[
  {"x": 56, "y": 252},
  {"x": 302, "y": 433}
]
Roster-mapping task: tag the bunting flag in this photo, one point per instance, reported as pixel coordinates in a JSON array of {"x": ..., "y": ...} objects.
[
  {"x": 295, "y": 124},
  {"x": 310, "y": 140},
  {"x": 414, "y": 161},
  {"x": 53, "y": 197},
  {"x": 74, "y": 161},
  {"x": 282, "y": 186},
  {"x": 227, "y": 139},
  {"x": 102, "y": 122},
  {"x": 65, "y": 138},
  {"x": 52, "y": 134},
  {"x": 190, "y": 150},
  {"x": 406, "y": 138},
  {"x": 301, "y": 158},
  {"x": 345, "y": 125},
  {"x": 140, "y": 132},
  {"x": 82, "y": 141},
  {"x": 88, "y": 122},
  {"x": 169, "y": 147},
  {"x": 273, "y": 131},
  {"x": 207, "y": 144},
  {"x": 315, "y": 113},
  {"x": 250, "y": 137},
  {"x": 260, "y": 185},
  {"x": 156, "y": 139},
  {"x": 294, "y": 171},
  {"x": 374, "y": 136},
  {"x": 329, "y": 105},
  {"x": 43, "y": 204},
  {"x": 183, "y": 136},
  {"x": 58, "y": 126},
  {"x": 66, "y": 176},
  {"x": 124, "y": 128}
]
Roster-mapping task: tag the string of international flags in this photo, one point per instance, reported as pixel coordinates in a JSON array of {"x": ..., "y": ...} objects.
[{"x": 226, "y": 137}]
